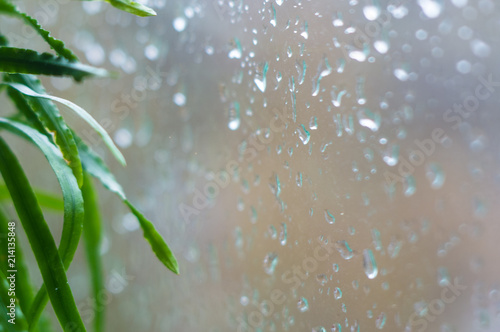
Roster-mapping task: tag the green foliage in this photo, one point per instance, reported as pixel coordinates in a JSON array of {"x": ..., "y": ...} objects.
[
  {"x": 40, "y": 238},
  {"x": 132, "y": 7},
  {"x": 39, "y": 121},
  {"x": 24, "y": 61},
  {"x": 56, "y": 44}
]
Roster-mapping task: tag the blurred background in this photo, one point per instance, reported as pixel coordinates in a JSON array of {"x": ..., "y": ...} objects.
[{"x": 314, "y": 165}]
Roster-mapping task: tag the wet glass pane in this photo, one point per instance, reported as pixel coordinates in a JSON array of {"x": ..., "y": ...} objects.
[{"x": 314, "y": 165}]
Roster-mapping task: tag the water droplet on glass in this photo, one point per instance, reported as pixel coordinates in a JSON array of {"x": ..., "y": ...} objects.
[
  {"x": 179, "y": 99},
  {"x": 179, "y": 24},
  {"x": 322, "y": 279},
  {"x": 270, "y": 262},
  {"x": 443, "y": 277},
  {"x": 409, "y": 186},
  {"x": 337, "y": 293},
  {"x": 313, "y": 123},
  {"x": 302, "y": 304},
  {"x": 369, "y": 264},
  {"x": 234, "y": 116},
  {"x": 392, "y": 156},
  {"x": 283, "y": 234},
  {"x": 435, "y": 175},
  {"x": 344, "y": 249},
  {"x": 376, "y": 239},
  {"x": 480, "y": 48},
  {"x": 401, "y": 74},
  {"x": 380, "y": 321},
  {"x": 394, "y": 247},
  {"x": 236, "y": 50},
  {"x": 329, "y": 217},
  {"x": 369, "y": 119},
  {"x": 371, "y": 11},
  {"x": 303, "y": 134},
  {"x": 123, "y": 138},
  {"x": 260, "y": 77},
  {"x": 381, "y": 46},
  {"x": 431, "y": 8}
]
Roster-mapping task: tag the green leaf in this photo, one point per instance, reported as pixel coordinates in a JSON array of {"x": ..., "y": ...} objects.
[
  {"x": 24, "y": 61},
  {"x": 45, "y": 199},
  {"x": 20, "y": 321},
  {"x": 93, "y": 164},
  {"x": 41, "y": 240},
  {"x": 56, "y": 44},
  {"x": 21, "y": 104},
  {"x": 92, "y": 237},
  {"x": 73, "y": 203},
  {"x": 49, "y": 116},
  {"x": 132, "y": 7},
  {"x": 24, "y": 291},
  {"x": 79, "y": 111}
]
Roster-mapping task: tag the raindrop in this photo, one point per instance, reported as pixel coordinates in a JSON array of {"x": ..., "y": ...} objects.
[
  {"x": 179, "y": 99},
  {"x": 303, "y": 134},
  {"x": 302, "y": 304},
  {"x": 369, "y": 119},
  {"x": 234, "y": 116},
  {"x": 443, "y": 277},
  {"x": 480, "y": 48},
  {"x": 337, "y": 293},
  {"x": 123, "y": 138},
  {"x": 270, "y": 262},
  {"x": 344, "y": 249},
  {"x": 260, "y": 77},
  {"x": 283, "y": 234},
  {"x": 313, "y": 123},
  {"x": 369, "y": 264},
  {"x": 463, "y": 66},
  {"x": 394, "y": 247},
  {"x": 409, "y": 186},
  {"x": 329, "y": 217},
  {"x": 179, "y": 24},
  {"x": 380, "y": 321},
  {"x": 376, "y": 239},
  {"x": 435, "y": 175},
  {"x": 431, "y": 8},
  {"x": 322, "y": 279},
  {"x": 236, "y": 50},
  {"x": 382, "y": 46},
  {"x": 372, "y": 11}
]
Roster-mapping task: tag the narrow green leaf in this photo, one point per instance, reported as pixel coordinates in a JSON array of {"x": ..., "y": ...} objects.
[
  {"x": 45, "y": 199},
  {"x": 158, "y": 244},
  {"x": 41, "y": 240},
  {"x": 132, "y": 7},
  {"x": 56, "y": 44},
  {"x": 20, "y": 321},
  {"x": 49, "y": 116},
  {"x": 24, "y": 291},
  {"x": 92, "y": 237},
  {"x": 79, "y": 111},
  {"x": 21, "y": 104},
  {"x": 93, "y": 164},
  {"x": 73, "y": 204},
  {"x": 24, "y": 61}
]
